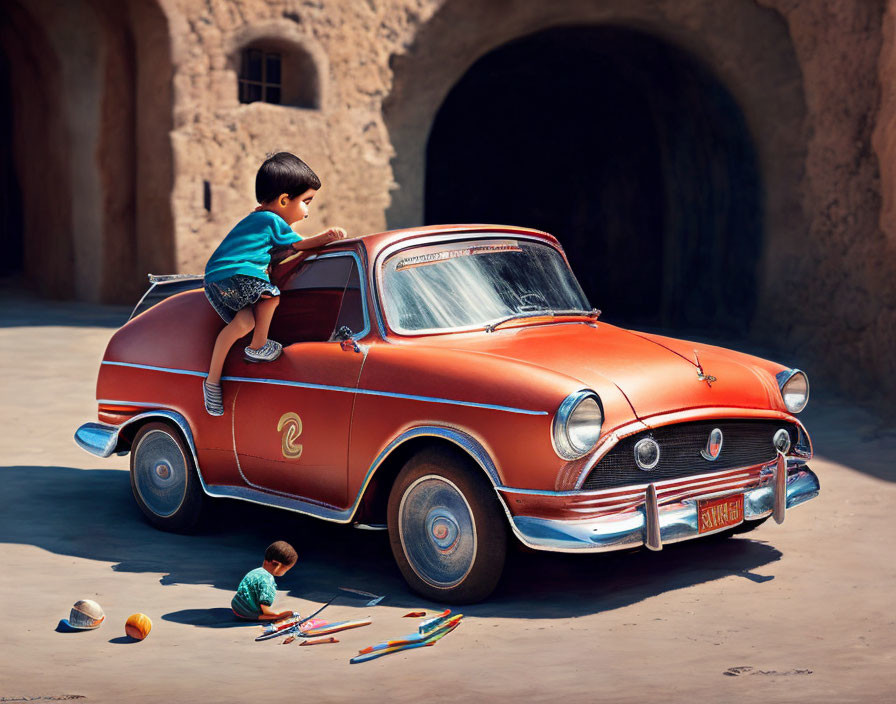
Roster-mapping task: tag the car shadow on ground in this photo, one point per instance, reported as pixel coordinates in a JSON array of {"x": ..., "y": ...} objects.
[{"x": 91, "y": 514}]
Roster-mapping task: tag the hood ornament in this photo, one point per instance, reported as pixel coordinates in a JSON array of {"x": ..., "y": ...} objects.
[{"x": 700, "y": 375}]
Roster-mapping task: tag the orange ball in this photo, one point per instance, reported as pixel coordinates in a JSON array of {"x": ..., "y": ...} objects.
[{"x": 138, "y": 626}]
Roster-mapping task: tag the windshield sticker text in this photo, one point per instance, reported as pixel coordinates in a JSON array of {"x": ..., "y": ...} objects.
[{"x": 445, "y": 255}]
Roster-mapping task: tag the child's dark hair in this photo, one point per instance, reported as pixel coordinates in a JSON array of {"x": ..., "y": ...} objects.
[
  {"x": 284, "y": 173},
  {"x": 281, "y": 551}
]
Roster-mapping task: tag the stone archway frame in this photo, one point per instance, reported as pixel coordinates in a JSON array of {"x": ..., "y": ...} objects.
[
  {"x": 304, "y": 54},
  {"x": 104, "y": 75},
  {"x": 41, "y": 154},
  {"x": 748, "y": 48}
]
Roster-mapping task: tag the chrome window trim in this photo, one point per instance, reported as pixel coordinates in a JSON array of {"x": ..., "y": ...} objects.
[
  {"x": 324, "y": 387},
  {"x": 152, "y": 286},
  {"x": 361, "y": 278},
  {"x": 473, "y": 234}
]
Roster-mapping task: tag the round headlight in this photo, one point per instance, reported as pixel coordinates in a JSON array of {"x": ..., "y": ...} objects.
[
  {"x": 577, "y": 424},
  {"x": 794, "y": 386}
]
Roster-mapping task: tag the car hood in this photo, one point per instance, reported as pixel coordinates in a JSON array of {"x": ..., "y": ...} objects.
[{"x": 655, "y": 377}]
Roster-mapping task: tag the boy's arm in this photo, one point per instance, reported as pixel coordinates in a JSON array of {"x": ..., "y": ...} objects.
[
  {"x": 320, "y": 239},
  {"x": 268, "y": 613}
]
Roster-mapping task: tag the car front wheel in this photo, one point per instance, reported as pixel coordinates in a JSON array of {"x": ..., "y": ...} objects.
[
  {"x": 445, "y": 528},
  {"x": 164, "y": 479}
]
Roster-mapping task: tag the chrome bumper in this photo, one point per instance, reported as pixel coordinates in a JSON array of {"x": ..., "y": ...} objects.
[
  {"x": 103, "y": 440},
  {"x": 655, "y": 525},
  {"x": 98, "y": 438}
]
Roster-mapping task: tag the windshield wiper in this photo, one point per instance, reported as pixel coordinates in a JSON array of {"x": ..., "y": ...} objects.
[{"x": 593, "y": 313}]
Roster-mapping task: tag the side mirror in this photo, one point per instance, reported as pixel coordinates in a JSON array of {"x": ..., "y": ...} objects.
[{"x": 346, "y": 341}]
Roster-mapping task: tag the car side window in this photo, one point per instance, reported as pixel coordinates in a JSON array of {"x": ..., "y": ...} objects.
[{"x": 318, "y": 299}]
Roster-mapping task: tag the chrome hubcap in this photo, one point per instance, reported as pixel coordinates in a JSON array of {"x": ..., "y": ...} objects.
[
  {"x": 442, "y": 528},
  {"x": 160, "y": 473},
  {"x": 437, "y": 531}
]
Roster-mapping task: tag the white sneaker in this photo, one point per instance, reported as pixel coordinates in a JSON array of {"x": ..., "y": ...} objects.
[
  {"x": 268, "y": 352},
  {"x": 213, "y": 400}
]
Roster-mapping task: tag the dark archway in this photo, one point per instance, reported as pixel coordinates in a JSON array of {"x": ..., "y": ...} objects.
[
  {"x": 12, "y": 243},
  {"x": 627, "y": 149}
]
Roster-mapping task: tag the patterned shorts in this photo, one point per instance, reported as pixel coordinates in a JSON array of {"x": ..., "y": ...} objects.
[{"x": 229, "y": 296}]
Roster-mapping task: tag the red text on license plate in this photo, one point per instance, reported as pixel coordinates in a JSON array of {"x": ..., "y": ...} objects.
[{"x": 713, "y": 514}]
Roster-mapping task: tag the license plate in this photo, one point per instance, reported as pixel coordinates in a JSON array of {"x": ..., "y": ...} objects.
[{"x": 713, "y": 514}]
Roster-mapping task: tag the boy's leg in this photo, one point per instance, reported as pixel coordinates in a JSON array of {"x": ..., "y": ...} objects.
[
  {"x": 264, "y": 311},
  {"x": 241, "y": 324}
]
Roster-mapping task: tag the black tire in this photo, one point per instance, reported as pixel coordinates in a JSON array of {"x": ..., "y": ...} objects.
[
  {"x": 438, "y": 489},
  {"x": 164, "y": 479}
]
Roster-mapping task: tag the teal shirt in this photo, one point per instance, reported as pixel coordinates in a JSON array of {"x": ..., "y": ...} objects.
[
  {"x": 247, "y": 248},
  {"x": 257, "y": 588}
]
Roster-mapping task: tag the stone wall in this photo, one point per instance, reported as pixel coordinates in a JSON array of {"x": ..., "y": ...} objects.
[
  {"x": 141, "y": 108},
  {"x": 807, "y": 75},
  {"x": 219, "y": 140},
  {"x": 843, "y": 307}
]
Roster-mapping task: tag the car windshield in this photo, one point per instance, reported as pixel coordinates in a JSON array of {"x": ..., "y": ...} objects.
[{"x": 475, "y": 283}]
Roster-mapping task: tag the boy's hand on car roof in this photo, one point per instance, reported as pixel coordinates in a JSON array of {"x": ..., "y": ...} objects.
[{"x": 333, "y": 234}]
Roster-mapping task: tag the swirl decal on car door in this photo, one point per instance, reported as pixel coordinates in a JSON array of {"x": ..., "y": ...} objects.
[{"x": 291, "y": 426}]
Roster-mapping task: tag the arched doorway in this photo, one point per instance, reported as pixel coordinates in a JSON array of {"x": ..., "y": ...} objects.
[
  {"x": 12, "y": 259},
  {"x": 88, "y": 168},
  {"x": 627, "y": 149}
]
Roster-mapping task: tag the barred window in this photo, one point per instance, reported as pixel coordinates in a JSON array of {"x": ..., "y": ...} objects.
[{"x": 260, "y": 76}]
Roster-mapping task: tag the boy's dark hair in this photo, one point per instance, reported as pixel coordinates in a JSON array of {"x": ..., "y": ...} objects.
[
  {"x": 281, "y": 551},
  {"x": 284, "y": 173}
]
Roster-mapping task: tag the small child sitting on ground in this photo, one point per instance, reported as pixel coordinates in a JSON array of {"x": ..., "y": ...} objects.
[
  {"x": 236, "y": 276},
  {"x": 255, "y": 595}
]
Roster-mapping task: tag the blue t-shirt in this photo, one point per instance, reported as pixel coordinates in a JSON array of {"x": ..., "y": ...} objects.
[
  {"x": 247, "y": 247},
  {"x": 257, "y": 588}
]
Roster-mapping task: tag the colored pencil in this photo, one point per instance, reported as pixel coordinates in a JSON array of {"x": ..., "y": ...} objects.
[
  {"x": 319, "y": 641},
  {"x": 379, "y": 653},
  {"x": 333, "y": 628},
  {"x": 413, "y": 637}
]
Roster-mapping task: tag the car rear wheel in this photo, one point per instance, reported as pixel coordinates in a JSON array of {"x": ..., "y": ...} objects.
[
  {"x": 445, "y": 528},
  {"x": 164, "y": 479}
]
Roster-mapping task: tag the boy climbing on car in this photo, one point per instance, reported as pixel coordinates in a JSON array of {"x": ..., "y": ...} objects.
[{"x": 236, "y": 276}]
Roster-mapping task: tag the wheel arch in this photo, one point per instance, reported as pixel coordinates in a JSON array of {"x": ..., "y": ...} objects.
[
  {"x": 128, "y": 430},
  {"x": 385, "y": 469}
]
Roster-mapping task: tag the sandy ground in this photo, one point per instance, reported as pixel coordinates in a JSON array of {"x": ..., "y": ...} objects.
[{"x": 799, "y": 612}]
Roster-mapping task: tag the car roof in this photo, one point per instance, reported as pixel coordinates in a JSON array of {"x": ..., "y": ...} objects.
[{"x": 376, "y": 242}]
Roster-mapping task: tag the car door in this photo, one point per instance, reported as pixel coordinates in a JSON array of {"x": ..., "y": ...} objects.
[{"x": 292, "y": 417}]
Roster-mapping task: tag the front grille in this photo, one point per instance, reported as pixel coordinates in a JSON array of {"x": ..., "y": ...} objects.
[{"x": 745, "y": 443}]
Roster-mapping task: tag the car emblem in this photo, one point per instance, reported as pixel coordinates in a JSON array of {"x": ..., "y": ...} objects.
[
  {"x": 291, "y": 426},
  {"x": 713, "y": 446},
  {"x": 647, "y": 454},
  {"x": 700, "y": 375},
  {"x": 781, "y": 441}
]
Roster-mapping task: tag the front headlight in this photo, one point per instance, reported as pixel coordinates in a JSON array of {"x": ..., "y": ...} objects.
[
  {"x": 794, "y": 386},
  {"x": 577, "y": 424}
]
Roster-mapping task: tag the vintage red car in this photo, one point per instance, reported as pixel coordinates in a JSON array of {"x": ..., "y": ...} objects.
[{"x": 453, "y": 385}]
